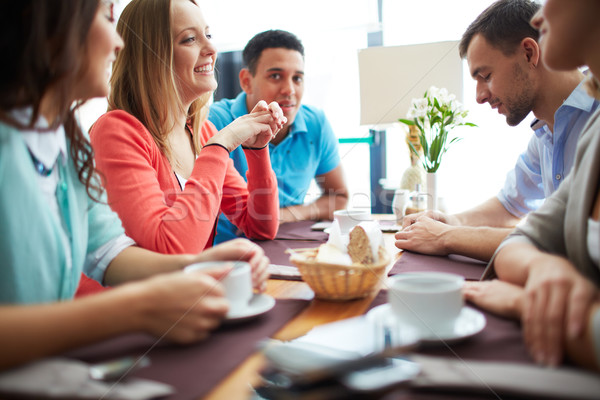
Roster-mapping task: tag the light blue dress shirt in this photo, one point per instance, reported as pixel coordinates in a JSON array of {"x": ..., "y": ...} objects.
[
  {"x": 310, "y": 149},
  {"x": 549, "y": 157}
]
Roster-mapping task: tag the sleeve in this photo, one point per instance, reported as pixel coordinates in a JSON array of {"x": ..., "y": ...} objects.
[
  {"x": 103, "y": 224},
  {"x": 523, "y": 189},
  {"x": 163, "y": 219},
  {"x": 543, "y": 228},
  {"x": 254, "y": 206},
  {"x": 97, "y": 261},
  {"x": 330, "y": 155}
]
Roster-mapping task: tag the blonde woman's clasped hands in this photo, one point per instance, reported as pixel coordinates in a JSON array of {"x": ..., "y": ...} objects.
[{"x": 254, "y": 130}]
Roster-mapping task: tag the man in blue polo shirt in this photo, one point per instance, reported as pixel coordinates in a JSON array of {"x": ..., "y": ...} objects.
[
  {"x": 305, "y": 149},
  {"x": 504, "y": 58}
]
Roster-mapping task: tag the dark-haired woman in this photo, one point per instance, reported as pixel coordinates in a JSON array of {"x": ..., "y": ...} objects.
[{"x": 54, "y": 222}]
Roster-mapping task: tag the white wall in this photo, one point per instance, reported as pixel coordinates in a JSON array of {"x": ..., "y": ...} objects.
[{"x": 472, "y": 171}]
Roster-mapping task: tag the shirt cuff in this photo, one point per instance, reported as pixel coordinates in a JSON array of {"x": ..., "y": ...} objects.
[
  {"x": 97, "y": 261},
  {"x": 216, "y": 144}
]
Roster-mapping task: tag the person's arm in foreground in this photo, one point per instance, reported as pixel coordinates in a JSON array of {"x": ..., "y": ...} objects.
[
  {"x": 178, "y": 307},
  {"x": 474, "y": 233},
  {"x": 334, "y": 197},
  {"x": 554, "y": 302},
  {"x": 181, "y": 307},
  {"x": 135, "y": 263}
]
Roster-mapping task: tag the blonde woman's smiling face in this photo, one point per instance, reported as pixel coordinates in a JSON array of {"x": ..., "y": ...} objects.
[{"x": 194, "y": 55}]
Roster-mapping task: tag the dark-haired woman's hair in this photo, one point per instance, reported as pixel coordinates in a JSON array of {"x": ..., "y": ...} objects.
[{"x": 43, "y": 47}]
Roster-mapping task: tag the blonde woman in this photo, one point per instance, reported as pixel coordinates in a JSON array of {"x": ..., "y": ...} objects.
[{"x": 167, "y": 171}]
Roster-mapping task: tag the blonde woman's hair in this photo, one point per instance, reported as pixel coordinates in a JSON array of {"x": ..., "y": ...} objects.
[{"x": 143, "y": 83}]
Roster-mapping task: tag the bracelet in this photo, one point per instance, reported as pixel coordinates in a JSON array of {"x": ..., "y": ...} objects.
[
  {"x": 254, "y": 148},
  {"x": 216, "y": 144}
]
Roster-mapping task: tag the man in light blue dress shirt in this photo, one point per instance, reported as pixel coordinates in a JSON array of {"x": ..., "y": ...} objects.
[
  {"x": 504, "y": 58},
  {"x": 304, "y": 149}
]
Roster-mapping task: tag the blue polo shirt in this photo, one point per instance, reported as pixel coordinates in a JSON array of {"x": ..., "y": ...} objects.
[
  {"x": 310, "y": 149},
  {"x": 549, "y": 157}
]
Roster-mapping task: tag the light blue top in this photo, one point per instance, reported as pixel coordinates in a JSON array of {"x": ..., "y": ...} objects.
[
  {"x": 310, "y": 149},
  {"x": 549, "y": 157},
  {"x": 34, "y": 267}
]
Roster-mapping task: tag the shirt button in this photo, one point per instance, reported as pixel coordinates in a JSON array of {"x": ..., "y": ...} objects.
[{"x": 558, "y": 177}]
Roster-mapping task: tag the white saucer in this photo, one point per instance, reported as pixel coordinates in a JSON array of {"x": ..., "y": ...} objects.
[
  {"x": 258, "y": 305},
  {"x": 469, "y": 323}
]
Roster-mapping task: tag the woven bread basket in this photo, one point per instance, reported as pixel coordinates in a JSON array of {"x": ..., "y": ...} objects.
[{"x": 339, "y": 282}]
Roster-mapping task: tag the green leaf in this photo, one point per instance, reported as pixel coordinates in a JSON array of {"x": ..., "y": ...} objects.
[
  {"x": 424, "y": 143},
  {"x": 414, "y": 150},
  {"x": 406, "y": 121}
]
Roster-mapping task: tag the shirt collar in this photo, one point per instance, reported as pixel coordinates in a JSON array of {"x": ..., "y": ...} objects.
[
  {"x": 45, "y": 145},
  {"x": 579, "y": 99},
  {"x": 239, "y": 105}
]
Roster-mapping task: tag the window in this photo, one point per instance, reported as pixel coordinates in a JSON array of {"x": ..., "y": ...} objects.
[{"x": 332, "y": 31}]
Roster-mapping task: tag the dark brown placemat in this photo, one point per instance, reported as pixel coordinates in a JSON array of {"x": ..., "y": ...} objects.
[
  {"x": 300, "y": 231},
  {"x": 413, "y": 262},
  {"x": 196, "y": 369}
]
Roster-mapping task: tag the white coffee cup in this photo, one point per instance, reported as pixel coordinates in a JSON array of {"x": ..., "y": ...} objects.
[
  {"x": 237, "y": 284},
  {"x": 429, "y": 301},
  {"x": 348, "y": 219}
]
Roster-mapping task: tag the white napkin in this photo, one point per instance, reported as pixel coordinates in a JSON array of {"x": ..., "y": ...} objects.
[
  {"x": 335, "y": 251},
  {"x": 324, "y": 345},
  {"x": 60, "y": 378},
  {"x": 336, "y": 239}
]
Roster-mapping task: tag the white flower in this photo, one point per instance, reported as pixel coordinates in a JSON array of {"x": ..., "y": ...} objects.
[
  {"x": 433, "y": 92},
  {"x": 458, "y": 119},
  {"x": 448, "y": 114},
  {"x": 418, "y": 108},
  {"x": 443, "y": 96}
]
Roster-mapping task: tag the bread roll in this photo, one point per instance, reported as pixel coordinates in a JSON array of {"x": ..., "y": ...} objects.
[{"x": 365, "y": 239}]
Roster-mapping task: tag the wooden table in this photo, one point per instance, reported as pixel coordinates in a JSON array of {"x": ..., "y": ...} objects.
[{"x": 237, "y": 384}]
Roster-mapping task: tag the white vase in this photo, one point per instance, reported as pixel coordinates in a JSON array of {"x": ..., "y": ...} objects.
[{"x": 432, "y": 193}]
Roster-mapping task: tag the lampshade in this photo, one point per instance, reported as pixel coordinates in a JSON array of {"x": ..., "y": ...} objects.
[{"x": 390, "y": 77}]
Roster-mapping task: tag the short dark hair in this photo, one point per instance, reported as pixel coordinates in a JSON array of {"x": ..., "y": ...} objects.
[
  {"x": 504, "y": 25},
  {"x": 271, "y": 39}
]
